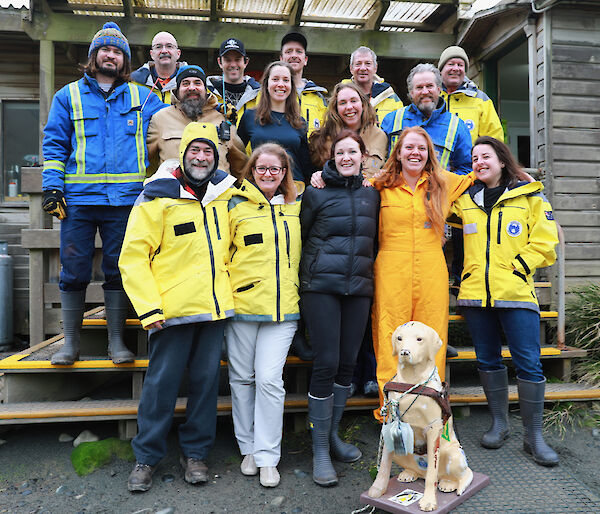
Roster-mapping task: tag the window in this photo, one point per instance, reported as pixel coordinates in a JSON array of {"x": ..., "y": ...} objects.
[{"x": 19, "y": 144}]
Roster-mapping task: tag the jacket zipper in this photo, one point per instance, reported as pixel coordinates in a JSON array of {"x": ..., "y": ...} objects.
[
  {"x": 487, "y": 263},
  {"x": 499, "y": 226},
  {"x": 287, "y": 242},
  {"x": 352, "y": 229},
  {"x": 212, "y": 261},
  {"x": 217, "y": 223},
  {"x": 277, "y": 278}
]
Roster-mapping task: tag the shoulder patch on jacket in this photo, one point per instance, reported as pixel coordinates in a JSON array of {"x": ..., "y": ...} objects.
[{"x": 549, "y": 215}]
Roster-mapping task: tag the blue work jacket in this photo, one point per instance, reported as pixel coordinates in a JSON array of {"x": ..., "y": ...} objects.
[
  {"x": 95, "y": 146},
  {"x": 450, "y": 135}
]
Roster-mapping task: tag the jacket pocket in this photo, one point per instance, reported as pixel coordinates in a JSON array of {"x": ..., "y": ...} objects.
[
  {"x": 313, "y": 264},
  {"x": 520, "y": 275},
  {"x": 131, "y": 120},
  {"x": 88, "y": 121}
]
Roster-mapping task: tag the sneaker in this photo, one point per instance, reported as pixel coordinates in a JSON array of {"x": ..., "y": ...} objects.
[
  {"x": 352, "y": 390},
  {"x": 371, "y": 389},
  {"x": 140, "y": 478},
  {"x": 195, "y": 471},
  {"x": 248, "y": 466},
  {"x": 269, "y": 476}
]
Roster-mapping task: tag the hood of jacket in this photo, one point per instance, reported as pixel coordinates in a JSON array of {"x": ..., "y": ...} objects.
[
  {"x": 144, "y": 75},
  {"x": 311, "y": 87},
  {"x": 468, "y": 88},
  {"x": 198, "y": 131},
  {"x": 476, "y": 191},
  {"x": 332, "y": 178}
]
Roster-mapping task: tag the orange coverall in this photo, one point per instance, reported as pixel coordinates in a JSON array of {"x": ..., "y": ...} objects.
[{"x": 411, "y": 276}]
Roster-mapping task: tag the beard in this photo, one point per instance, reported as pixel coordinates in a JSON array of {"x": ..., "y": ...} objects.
[
  {"x": 426, "y": 108},
  {"x": 108, "y": 72},
  {"x": 192, "y": 107},
  {"x": 193, "y": 172}
]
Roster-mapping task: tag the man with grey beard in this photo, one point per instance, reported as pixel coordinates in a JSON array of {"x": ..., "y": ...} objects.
[
  {"x": 450, "y": 135},
  {"x": 192, "y": 102}
]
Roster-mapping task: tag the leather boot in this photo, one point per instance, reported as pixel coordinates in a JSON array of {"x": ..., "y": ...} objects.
[
  {"x": 300, "y": 346},
  {"x": 73, "y": 306},
  {"x": 116, "y": 306},
  {"x": 531, "y": 402},
  {"x": 319, "y": 419},
  {"x": 341, "y": 451},
  {"x": 495, "y": 386}
]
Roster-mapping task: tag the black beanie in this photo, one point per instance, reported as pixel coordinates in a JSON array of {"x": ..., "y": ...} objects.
[{"x": 190, "y": 71}]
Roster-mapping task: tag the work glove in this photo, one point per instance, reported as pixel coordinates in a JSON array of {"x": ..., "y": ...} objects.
[
  {"x": 54, "y": 203},
  {"x": 230, "y": 113}
]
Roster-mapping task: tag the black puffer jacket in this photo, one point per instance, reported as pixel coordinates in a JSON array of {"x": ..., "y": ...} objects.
[{"x": 339, "y": 227}]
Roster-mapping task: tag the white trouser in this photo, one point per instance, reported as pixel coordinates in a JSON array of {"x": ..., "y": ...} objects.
[{"x": 256, "y": 352}]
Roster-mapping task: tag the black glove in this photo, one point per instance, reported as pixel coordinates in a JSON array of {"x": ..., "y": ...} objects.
[
  {"x": 228, "y": 110},
  {"x": 54, "y": 203}
]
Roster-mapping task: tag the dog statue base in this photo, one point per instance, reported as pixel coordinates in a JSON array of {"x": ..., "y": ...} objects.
[{"x": 404, "y": 497}]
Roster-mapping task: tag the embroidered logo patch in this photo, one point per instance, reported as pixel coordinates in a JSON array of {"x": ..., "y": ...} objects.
[
  {"x": 130, "y": 123},
  {"x": 514, "y": 228},
  {"x": 470, "y": 124},
  {"x": 549, "y": 215},
  {"x": 316, "y": 123}
]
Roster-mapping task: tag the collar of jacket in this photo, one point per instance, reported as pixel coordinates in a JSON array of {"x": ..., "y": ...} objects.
[
  {"x": 311, "y": 87},
  {"x": 520, "y": 189},
  {"x": 146, "y": 74},
  {"x": 468, "y": 88},
  {"x": 251, "y": 191},
  {"x": 93, "y": 86},
  {"x": 216, "y": 82},
  {"x": 164, "y": 184},
  {"x": 439, "y": 110},
  {"x": 332, "y": 178}
]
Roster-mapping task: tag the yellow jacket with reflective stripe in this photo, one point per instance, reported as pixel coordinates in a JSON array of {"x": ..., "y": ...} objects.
[
  {"x": 503, "y": 249},
  {"x": 173, "y": 260},
  {"x": 264, "y": 256},
  {"x": 476, "y": 109},
  {"x": 94, "y": 146}
]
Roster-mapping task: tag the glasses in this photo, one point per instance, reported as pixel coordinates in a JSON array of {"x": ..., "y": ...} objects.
[
  {"x": 168, "y": 46},
  {"x": 273, "y": 170}
]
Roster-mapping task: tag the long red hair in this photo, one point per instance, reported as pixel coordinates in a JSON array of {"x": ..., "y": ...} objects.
[{"x": 436, "y": 202}]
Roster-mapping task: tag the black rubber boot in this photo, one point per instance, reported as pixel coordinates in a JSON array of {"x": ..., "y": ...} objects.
[
  {"x": 531, "y": 401},
  {"x": 319, "y": 419},
  {"x": 116, "y": 307},
  {"x": 300, "y": 347},
  {"x": 451, "y": 352},
  {"x": 73, "y": 306},
  {"x": 340, "y": 450},
  {"x": 495, "y": 386}
]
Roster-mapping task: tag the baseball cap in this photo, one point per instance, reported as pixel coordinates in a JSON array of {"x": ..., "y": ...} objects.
[
  {"x": 294, "y": 36},
  {"x": 232, "y": 44}
]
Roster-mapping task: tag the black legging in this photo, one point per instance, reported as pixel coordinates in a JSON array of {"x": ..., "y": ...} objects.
[{"x": 336, "y": 325}]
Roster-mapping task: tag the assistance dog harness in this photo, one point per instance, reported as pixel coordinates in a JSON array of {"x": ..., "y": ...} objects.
[{"x": 397, "y": 434}]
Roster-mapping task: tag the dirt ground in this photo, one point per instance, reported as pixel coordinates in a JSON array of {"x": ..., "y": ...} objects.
[{"x": 36, "y": 474}]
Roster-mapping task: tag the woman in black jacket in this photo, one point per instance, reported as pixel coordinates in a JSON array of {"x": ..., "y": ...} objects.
[{"x": 339, "y": 225}]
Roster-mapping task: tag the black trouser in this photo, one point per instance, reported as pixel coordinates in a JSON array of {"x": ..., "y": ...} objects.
[{"x": 336, "y": 325}]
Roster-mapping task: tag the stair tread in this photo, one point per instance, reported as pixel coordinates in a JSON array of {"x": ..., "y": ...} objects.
[{"x": 459, "y": 395}]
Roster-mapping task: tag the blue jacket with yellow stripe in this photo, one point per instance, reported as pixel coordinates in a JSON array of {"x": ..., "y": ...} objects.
[
  {"x": 95, "y": 146},
  {"x": 450, "y": 135}
]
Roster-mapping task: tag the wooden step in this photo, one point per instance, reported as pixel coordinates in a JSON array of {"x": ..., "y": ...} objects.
[
  {"x": 15, "y": 362},
  {"x": 99, "y": 410}
]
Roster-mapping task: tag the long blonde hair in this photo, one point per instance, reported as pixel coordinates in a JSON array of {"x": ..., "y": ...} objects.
[
  {"x": 287, "y": 186},
  {"x": 320, "y": 140},
  {"x": 436, "y": 198}
]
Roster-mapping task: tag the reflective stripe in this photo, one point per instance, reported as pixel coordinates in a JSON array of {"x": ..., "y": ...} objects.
[
  {"x": 398, "y": 119},
  {"x": 79, "y": 126},
  {"x": 139, "y": 136},
  {"x": 105, "y": 178},
  {"x": 54, "y": 165},
  {"x": 450, "y": 136}
]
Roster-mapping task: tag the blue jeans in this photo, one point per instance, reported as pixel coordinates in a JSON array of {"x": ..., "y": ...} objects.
[
  {"x": 522, "y": 330},
  {"x": 77, "y": 235},
  {"x": 196, "y": 346}
]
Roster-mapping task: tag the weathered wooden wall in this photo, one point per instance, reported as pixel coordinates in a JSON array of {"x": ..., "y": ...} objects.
[{"x": 568, "y": 114}]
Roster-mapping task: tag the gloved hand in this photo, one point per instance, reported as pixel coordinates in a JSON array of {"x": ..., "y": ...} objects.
[
  {"x": 54, "y": 203},
  {"x": 230, "y": 113}
]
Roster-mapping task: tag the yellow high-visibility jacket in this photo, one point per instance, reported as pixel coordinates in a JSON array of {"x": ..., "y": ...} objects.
[
  {"x": 503, "y": 249},
  {"x": 264, "y": 255},
  {"x": 174, "y": 256},
  {"x": 476, "y": 109}
]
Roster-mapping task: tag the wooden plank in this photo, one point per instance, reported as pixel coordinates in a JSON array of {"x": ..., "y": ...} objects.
[
  {"x": 570, "y": 202},
  {"x": 580, "y": 235},
  {"x": 582, "y": 268},
  {"x": 577, "y": 18},
  {"x": 576, "y": 120},
  {"x": 576, "y": 71},
  {"x": 581, "y": 136},
  {"x": 46, "y": 238},
  {"x": 577, "y": 185},
  {"x": 578, "y": 218},
  {"x": 571, "y": 53},
  {"x": 573, "y": 153},
  {"x": 568, "y": 86},
  {"x": 573, "y": 36},
  {"x": 582, "y": 251},
  {"x": 569, "y": 104}
]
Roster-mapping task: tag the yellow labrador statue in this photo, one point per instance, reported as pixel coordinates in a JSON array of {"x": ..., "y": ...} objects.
[{"x": 418, "y": 421}]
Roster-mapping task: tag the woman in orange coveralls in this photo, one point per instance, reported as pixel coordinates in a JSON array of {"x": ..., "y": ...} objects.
[{"x": 411, "y": 276}]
